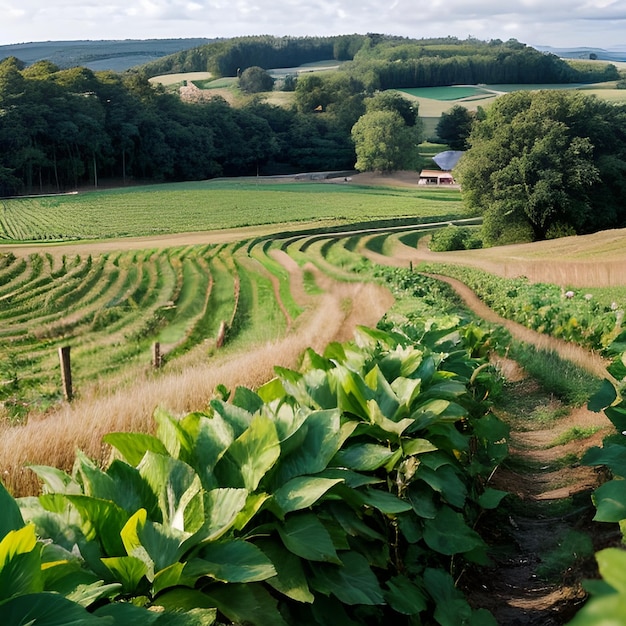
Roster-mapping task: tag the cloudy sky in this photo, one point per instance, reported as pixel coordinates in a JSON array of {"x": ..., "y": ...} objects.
[{"x": 598, "y": 23}]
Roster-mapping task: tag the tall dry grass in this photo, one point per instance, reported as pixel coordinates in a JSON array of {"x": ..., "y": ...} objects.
[{"x": 52, "y": 439}]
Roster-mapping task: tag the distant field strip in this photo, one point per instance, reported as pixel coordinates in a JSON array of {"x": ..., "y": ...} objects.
[{"x": 213, "y": 205}]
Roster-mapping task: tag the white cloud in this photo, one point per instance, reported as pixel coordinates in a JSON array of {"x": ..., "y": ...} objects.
[{"x": 553, "y": 22}]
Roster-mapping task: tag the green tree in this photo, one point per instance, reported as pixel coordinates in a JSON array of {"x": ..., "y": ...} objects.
[
  {"x": 539, "y": 166},
  {"x": 454, "y": 127},
  {"x": 393, "y": 101},
  {"x": 384, "y": 143},
  {"x": 255, "y": 80}
]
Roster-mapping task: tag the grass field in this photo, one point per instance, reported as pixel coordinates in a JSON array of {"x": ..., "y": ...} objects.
[{"x": 217, "y": 204}]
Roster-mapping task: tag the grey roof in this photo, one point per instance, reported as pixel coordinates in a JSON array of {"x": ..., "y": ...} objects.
[{"x": 448, "y": 159}]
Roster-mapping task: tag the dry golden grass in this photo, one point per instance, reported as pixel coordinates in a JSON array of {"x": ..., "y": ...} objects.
[
  {"x": 597, "y": 260},
  {"x": 53, "y": 439}
]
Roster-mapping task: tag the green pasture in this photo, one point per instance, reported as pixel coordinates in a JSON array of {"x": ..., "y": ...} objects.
[
  {"x": 212, "y": 205},
  {"x": 447, "y": 93}
]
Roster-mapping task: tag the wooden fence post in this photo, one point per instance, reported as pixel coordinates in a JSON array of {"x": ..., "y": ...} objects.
[
  {"x": 221, "y": 335},
  {"x": 66, "y": 372},
  {"x": 156, "y": 355}
]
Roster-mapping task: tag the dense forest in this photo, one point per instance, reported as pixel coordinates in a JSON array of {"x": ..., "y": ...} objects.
[{"x": 65, "y": 128}]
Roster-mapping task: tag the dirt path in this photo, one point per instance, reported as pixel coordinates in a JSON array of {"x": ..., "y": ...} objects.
[{"x": 536, "y": 573}]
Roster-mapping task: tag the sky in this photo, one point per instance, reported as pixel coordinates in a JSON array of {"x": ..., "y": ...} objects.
[{"x": 558, "y": 23}]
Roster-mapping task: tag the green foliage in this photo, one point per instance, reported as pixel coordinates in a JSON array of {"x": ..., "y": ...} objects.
[
  {"x": 255, "y": 80},
  {"x": 608, "y": 595},
  {"x": 571, "y": 315},
  {"x": 454, "y": 127},
  {"x": 455, "y": 238},
  {"x": 348, "y": 488},
  {"x": 545, "y": 163},
  {"x": 384, "y": 143}
]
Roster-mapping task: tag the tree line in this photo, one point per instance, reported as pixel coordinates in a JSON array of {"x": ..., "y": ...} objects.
[{"x": 60, "y": 129}]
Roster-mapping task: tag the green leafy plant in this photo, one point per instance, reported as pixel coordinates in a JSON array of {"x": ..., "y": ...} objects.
[{"x": 345, "y": 492}]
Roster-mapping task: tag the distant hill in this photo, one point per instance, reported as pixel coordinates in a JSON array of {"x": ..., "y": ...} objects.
[
  {"x": 116, "y": 55},
  {"x": 615, "y": 53}
]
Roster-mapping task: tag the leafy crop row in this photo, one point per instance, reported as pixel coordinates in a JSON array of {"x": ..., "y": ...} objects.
[
  {"x": 607, "y": 604},
  {"x": 571, "y": 315},
  {"x": 343, "y": 493},
  {"x": 193, "y": 207}
]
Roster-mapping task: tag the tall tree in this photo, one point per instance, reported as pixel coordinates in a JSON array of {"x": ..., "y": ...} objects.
[
  {"x": 454, "y": 127},
  {"x": 384, "y": 143},
  {"x": 539, "y": 163}
]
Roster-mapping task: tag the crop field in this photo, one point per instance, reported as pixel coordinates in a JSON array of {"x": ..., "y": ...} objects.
[
  {"x": 205, "y": 303},
  {"x": 203, "y": 206}
]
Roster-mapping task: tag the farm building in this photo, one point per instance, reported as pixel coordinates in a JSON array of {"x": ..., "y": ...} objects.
[{"x": 435, "y": 177}]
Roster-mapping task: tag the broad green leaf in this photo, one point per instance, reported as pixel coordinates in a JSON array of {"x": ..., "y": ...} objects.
[
  {"x": 222, "y": 509},
  {"x": 610, "y": 501},
  {"x": 445, "y": 481},
  {"x": 156, "y": 545},
  {"x": 96, "y": 483},
  {"x": 611, "y": 455},
  {"x": 48, "y": 609},
  {"x": 406, "y": 390},
  {"x": 178, "y": 490},
  {"x": 612, "y": 566},
  {"x": 250, "y": 456},
  {"x": 451, "y": 608},
  {"x": 127, "y": 570},
  {"x": 20, "y": 563},
  {"x": 602, "y": 611},
  {"x": 253, "y": 505},
  {"x": 182, "y": 599},
  {"x": 421, "y": 497},
  {"x": 234, "y": 561},
  {"x": 246, "y": 399},
  {"x": 352, "y": 582},
  {"x": 364, "y": 457},
  {"x": 415, "y": 445},
  {"x": 604, "y": 397},
  {"x": 617, "y": 415},
  {"x": 102, "y": 521},
  {"x": 304, "y": 535},
  {"x": 246, "y": 604},
  {"x": 131, "y": 490},
  {"x": 237, "y": 418},
  {"x": 302, "y": 492},
  {"x": 404, "y": 596},
  {"x": 271, "y": 390},
  {"x": 173, "y": 434},
  {"x": 384, "y": 395},
  {"x": 11, "y": 517},
  {"x": 290, "y": 579},
  {"x": 384, "y": 501},
  {"x": 133, "y": 446},
  {"x": 449, "y": 534},
  {"x": 352, "y": 524},
  {"x": 88, "y": 594},
  {"x": 491, "y": 498},
  {"x": 125, "y": 614},
  {"x": 350, "y": 478},
  {"x": 211, "y": 438},
  {"x": 377, "y": 417},
  {"x": 322, "y": 437},
  {"x": 56, "y": 480},
  {"x": 352, "y": 392}
]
